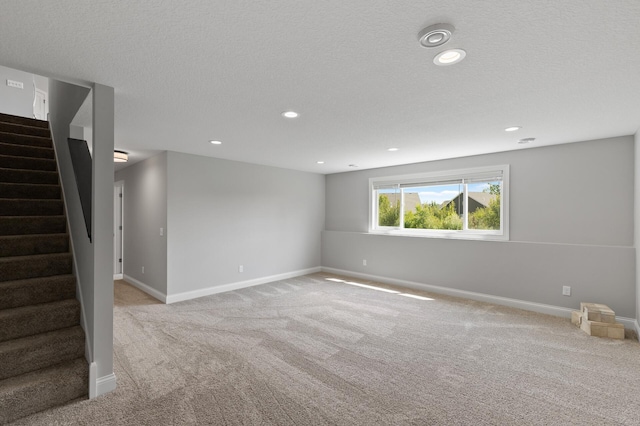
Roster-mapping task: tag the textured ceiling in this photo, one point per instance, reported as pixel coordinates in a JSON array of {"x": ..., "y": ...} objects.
[{"x": 188, "y": 72}]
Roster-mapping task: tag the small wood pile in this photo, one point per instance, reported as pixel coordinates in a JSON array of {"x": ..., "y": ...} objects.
[{"x": 598, "y": 320}]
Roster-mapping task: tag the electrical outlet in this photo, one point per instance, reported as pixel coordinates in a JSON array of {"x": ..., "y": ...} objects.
[
  {"x": 161, "y": 232},
  {"x": 16, "y": 84},
  {"x": 566, "y": 290},
  {"x": 240, "y": 268},
  {"x": 143, "y": 269},
  {"x": 364, "y": 262}
]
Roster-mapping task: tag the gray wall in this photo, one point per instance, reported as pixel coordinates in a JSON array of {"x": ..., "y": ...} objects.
[
  {"x": 93, "y": 259},
  {"x": 571, "y": 216},
  {"x": 145, "y": 212},
  {"x": 637, "y": 223},
  {"x": 224, "y": 213},
  {"x": 16, "y": 101}
]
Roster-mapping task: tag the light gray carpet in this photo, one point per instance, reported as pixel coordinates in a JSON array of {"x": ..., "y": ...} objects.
[{"x": 310, "y": 351}]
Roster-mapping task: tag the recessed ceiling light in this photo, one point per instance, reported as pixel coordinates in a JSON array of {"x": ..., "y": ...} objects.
[
  {"x": 526, "y": 140},
  {"x": 512, "y": 128},
  {"x": 120, "y": 157},
  {"x": 449, "y": 57},
  {"x": 320, "y": 162},
  {"x": 290, "y": 114},
  {"x": 435, "y": 35},
  {"x": 216, "y": 142},
  {"x": 393, "y": 149}
]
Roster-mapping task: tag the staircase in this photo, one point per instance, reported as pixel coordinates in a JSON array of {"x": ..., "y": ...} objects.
[{"x": 42, "y": 362}]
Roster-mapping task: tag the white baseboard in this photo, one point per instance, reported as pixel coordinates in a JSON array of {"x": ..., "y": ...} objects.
[
  {"x": 149, "y": 290},
  {"x": 637, "y": 329},
  {"x": 188, "y": 295},
  {"x": 118, "y": 277},
  {"x": 105, "y": 384},
  {"x": 559, "y": 311}
]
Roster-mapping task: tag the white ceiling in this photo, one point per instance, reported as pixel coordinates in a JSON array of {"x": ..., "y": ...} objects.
[{"x": 188, "y": 72}]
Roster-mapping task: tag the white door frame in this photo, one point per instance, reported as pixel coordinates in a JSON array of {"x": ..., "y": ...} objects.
[{"x": 116, "y": 213}]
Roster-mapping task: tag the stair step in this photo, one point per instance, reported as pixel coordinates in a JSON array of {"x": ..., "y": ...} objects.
[
  {"x": 28, "y": 176},
  {"x": 34, "y": 291},
  {"x": 40, "y": 265},
  {"x": 35, "y": 319},
  {"x": 21, "y": 129},
  {"x": 30, "y": 190},
  {"x": 29, "y": 225},
  {"x": 39, "y": 390},
  {"x": 26, "y": 151},
  {"x": 6, "y": 118},
  {"x": 27, "y": 245},
  {"x": 27, "y": 163},
  {"x": 27, "y": 207},
  {"x": 26, "y": 140},
  {"x": 32, "y": 353}
]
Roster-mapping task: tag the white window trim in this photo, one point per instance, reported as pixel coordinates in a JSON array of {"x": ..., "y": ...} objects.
[{"x": 492, "y": 235}]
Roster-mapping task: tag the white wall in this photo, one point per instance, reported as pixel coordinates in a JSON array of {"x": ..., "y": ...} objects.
[
  {"x": 93, "y": 259},
  {"x": 225, "y": 213},
  {"x": 145, "y": 212},
  {"x": 16, "y": 101},
  {"x": 571, "y": 221}
]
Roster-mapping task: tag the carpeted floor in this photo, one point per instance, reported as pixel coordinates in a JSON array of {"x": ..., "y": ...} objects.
[{"x": 309, "y": 351}]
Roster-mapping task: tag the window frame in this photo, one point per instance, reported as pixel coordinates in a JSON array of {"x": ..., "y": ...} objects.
[{"x": 435, "y": 178}]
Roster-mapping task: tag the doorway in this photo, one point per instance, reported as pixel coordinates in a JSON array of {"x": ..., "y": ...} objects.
[
  {"x": 40, "y": 109},
  {"x": 118, "y": 230}
]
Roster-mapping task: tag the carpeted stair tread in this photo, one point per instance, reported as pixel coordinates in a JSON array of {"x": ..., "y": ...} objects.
[
  {"x": 27, "y": 163},
  {"x": 36, "y": 391},
  {"x": 24, "y": 225},
  {"x": 21, "y": 129},
  {"x": 27, "y": 245},
  {"x": 34, "y": 291},
  {"x": 26, "y": 139},
  {"x": 32, "y": 353},
  {"x": 25, "y": 121},
  {"x": 30, "y": 207},
  {"x": 40, "y": 265},
  {"x": 26, "y": 151},
  {"x": 35, "y": 319},
  {"x": 30, "y": 190},
  {"x": 28, "y": 176}
]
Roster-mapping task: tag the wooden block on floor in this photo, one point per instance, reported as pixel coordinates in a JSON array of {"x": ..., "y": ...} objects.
[
  {"x": 598, "y": 312},
  {"x": 576, "y": 318},
  {"x": 602, "y": 329}
]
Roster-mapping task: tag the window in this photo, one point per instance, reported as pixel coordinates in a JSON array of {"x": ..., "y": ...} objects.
[{"x": 470, "y": 204}]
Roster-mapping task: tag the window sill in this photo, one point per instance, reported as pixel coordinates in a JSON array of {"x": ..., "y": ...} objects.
[{"x": 443, "y": 235}]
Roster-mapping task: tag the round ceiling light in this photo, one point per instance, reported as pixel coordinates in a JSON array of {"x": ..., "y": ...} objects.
[
  {"x": 319, "y": 162},
  {"x": 393, "y": 149},
  {"x": 290, "y": 114},
  {"x": 526, "y": 140},
  {"x": 449, "y": 57},
  {"x": 120, "y": 157},
  {"x": 512, "y": 128},
  {"x": 215, "y": 142},
  {"x": 435, "y": 35}
]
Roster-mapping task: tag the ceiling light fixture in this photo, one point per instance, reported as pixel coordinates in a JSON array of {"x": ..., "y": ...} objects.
[
  {"x": 435, "y": 35},
  {"x": 290, "y": 114},
  {"x": 319, "y": 162},
  {"x": 353, "y": 165},
  {"x": 120, "y": 157},
  {"x": 393, "y": 149},
  {"x": 215, "y": 142},
  {"x": 512, "y": 128},
  {"x": 526, "y": 140},
  {"x": 449, "y": 57}
]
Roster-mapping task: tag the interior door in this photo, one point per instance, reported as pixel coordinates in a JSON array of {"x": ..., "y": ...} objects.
[
  {"x": 118, "y": 192},
  {"x": 40, "y": 105}
]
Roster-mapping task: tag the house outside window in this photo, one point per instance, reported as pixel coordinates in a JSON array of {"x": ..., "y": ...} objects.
[{"x": 466, "y": 204}]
